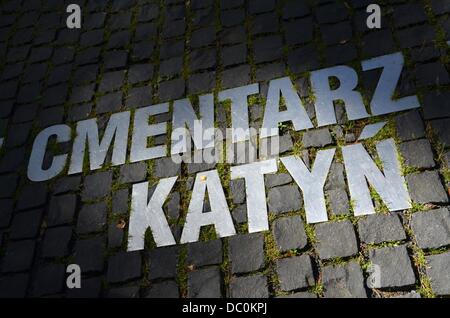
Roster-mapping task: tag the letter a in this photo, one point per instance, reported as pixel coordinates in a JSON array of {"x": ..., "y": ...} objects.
[
  {"x": 374, "y": 19},
  {"x": 74, "y": 279},
  {"x": 74, "y": 19}
]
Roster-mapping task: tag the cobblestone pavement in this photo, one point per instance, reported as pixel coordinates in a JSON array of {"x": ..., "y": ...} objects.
[{"x": 132, "y": 53}]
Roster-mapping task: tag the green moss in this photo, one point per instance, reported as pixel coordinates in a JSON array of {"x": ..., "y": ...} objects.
[{"x": 208, "y": 233}]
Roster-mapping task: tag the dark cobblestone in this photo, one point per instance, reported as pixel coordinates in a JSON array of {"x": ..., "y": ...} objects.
[
  {"x": 295, "y": 272},
  {"x": 344, "y": 281},
  {"x": 204, "y": 283},
  {"x": 289, "y": 233},
  {"x": 124, "y": 266},
  {"x": 205, "y": 253},
  {"x": 89, "y": 254},
  {"x": 92, "y": 218},
  {"x": 246, "y": 253},
  {"x": 284, "y": 199},
  {"x": 418, "y": 153},
  {"x": 426, "y": 187},
  {"x": 249, "y": 287},
  {"x": 378, "y": 228},
  {"x": 395, "y": 265},
  {"x": 163, "y": 262},
  {"x": 166, "y": 289},
  {"x": 438, "y": 273},
  {"x": 431, "y": 229},
  {"x": 335, "y": 239}
]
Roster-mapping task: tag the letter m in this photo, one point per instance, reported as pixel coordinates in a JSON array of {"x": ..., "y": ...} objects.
[{"x": 87, "y": 130}]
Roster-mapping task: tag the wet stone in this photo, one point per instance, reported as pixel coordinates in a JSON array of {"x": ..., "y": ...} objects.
[
  {"x": 246, "y": 252},
  {"x": 295, "y": 272},
  {"x": 204, "y": 283},
  {"x": 335, "y": 239},
  {"x": 344, "y": 281},
  {"x": 254, "y": 286},
  {"x": 398, "y": 273},
  {"x": 289, "y": 233},
  {"x": 426, "y": 187},
  {"x": 432, "y": 228},
  {"x": 378, "y": 228}
]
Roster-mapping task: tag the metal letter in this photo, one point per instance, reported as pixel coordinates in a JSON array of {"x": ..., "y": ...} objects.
[
  {"x": 360, "y": 169},
  {"x": 239, "y": 109},
  {"x": 151, "y": 215},
  {"x": 219, "y": 216},
  {"x": 117, "y": 128},
  {"x": 295, "y": 111},
  {"x": 35, "y": 171},
  {"x": 142, "y": 130},
  {"x": 346, "y": 92},
  {"x": 184, "y": 115},
  {"x": 312, "y": 182},
  {"x": 255, "y": 191},
  {"x": 382, "y": 102}
]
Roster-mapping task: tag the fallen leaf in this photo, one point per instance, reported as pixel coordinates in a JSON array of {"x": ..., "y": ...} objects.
[{"x": 121, "y": 224}]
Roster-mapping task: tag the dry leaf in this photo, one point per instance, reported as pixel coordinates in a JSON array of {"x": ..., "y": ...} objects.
[
  {"x": 121, "y": 224},
  {"x": 203, "y": 178}
]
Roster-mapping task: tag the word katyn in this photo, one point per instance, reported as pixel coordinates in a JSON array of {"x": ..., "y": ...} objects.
[{"x": 146, "y": 212}]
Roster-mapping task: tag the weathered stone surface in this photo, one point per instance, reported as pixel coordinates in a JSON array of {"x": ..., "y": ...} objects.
[
  {"x": 26, "y": 225},
  {"x": 254, "y": 286},
  {"x": 97, "y": 186},
  {"x": 417, "y": 153},
  {"x": 344, "y": 281},
  {"x": 56, "y": 241},
  {"x": 246, "y": 252},
  {"x": 132, "y": 173},
  {"x": 437, "y": 271},
  {"x": 89, "y": 254},
  {"x": 409, "y": 126},
  {"x": 49, "y": 280},
  {"x": 284, "y": 199},
  {"x": 90, "y": 288},
  {"x": 442, "y": 130},
  {"x": 377, "y": 228},
  {"x": 62, "y": 209},
  {"x": 205, "y": 253},
  {"x": 274, "y": 180},
  {"x": 14, "y": 286},
  {"x": 165, "y": 167},
  {"x": 92, "y": 218},
  {"x": 295, "y": 272},
  {"x": 18, "y": 256},
  {"x": 289, "y": 233},
  {"x": 124, "y": 266},
  {"x": 335, "y": 177},
  {"x": 317, "y": 138},
  {"x": 166, "y": 289},
  {"x": 426, "y": 187},
  {"x": 204, "y": 283},
  {"x": 394, "y": 265},
  {"x": 432, "y": 228},
  {"x": 338, "y": 201},
  {"x": 163, "y": 262},
  {"x": 335, "y": 239}
]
